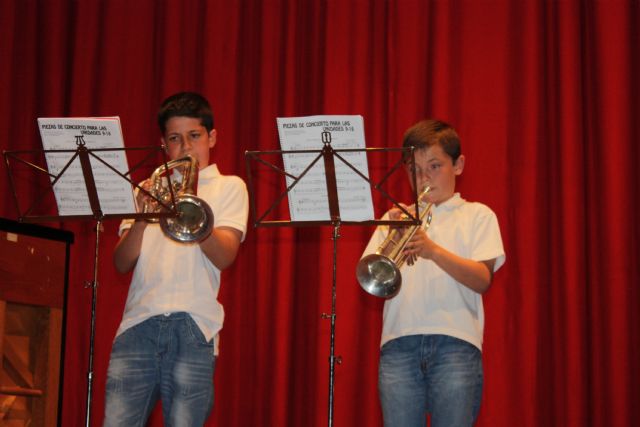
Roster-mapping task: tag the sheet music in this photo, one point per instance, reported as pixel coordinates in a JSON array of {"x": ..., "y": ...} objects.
[
  {"x": 308, "y": 200},
  {"x": 114, "y": 192}
]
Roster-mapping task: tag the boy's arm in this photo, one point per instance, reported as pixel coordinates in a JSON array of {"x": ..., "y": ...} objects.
[
  {"x": 128, "y": 247},
  {"x": 476, "y": 275},
  {"x": 221, "y": 247},
  {"x": 127, "y": 251}
]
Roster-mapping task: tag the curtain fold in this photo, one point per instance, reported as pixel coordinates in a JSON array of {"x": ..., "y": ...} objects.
[{"x": 545, "y": 96}]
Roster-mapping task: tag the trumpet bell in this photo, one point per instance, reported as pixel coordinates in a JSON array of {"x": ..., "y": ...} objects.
[
  {"x": 194, "y": 219},
  {"x": 379, "y": 273},
  {"x": 379, "y": 276},
  {"x": 193, "y": 223}
]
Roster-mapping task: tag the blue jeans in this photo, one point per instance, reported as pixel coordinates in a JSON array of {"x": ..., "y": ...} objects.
[
  {"x": 438, "y": 374},
  {"x": 163, "y": 357}
]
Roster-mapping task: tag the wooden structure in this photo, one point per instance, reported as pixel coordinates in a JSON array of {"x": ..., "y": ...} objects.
[{"x": 34, "y": 264}]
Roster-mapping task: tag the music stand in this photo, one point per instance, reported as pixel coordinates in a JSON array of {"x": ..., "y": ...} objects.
[
  {"x": 84, "y": 155},
  {"x": 327, "y": 153}
]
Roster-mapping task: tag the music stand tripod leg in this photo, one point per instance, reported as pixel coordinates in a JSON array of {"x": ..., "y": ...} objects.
[{"x": 94, "y": 300}]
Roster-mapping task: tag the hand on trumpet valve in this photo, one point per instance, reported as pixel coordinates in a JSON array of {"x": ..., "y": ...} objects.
[
  {"x": 396, "y": 214},
  {"x": 411, "y": 259},
  {"x": 420, "y": 245},
  {"x": 143, "y": 200}
]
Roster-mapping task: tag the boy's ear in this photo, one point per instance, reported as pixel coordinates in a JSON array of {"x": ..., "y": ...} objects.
[
  {"x": 213, "y": 138},
  {"x": 458, "y": 166}
]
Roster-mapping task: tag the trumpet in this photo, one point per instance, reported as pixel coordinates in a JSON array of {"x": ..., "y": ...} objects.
[
  {"x": 379, "y": 273},
  {"x": 194, "y": 221}
]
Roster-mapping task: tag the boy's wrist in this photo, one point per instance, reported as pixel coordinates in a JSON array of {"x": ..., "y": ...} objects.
[{"x": 435, "y": 253}]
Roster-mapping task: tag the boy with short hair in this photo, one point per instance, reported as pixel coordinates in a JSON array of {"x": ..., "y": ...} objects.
[
  {"x": 430, "y": 357},
  {"x": 167, "y": 342}
]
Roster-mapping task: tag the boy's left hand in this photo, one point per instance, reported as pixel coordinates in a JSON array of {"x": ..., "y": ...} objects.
[{"x": 420, "y": 245}]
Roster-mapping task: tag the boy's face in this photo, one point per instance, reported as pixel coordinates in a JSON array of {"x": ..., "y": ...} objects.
[
  {"x": 186, "y": 135},
  {"x": 436, "y": 169}
]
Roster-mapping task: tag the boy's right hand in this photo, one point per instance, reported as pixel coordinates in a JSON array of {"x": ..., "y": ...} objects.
[
  {"x": 396, "y": 214},
  {"x": 143, "y": 200}
]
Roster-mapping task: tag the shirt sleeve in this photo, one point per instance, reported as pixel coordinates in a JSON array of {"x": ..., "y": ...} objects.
[
  {"x": 231, "y": 209},
  {"x": 126, "y": 224},
  {"x": 487, "y": 240},
  {"x": 378, "y": 236}
]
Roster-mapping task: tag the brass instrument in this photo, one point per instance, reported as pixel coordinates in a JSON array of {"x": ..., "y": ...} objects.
[
  {"x": 194, "y": 221},
  {"x": 379, "y": 273}
]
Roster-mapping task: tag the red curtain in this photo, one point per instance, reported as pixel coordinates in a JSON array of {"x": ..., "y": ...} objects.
[{"x": 545, "y": 97}]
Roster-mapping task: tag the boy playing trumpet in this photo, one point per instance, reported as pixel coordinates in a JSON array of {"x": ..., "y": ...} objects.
[{"x": 430, "y": 357}]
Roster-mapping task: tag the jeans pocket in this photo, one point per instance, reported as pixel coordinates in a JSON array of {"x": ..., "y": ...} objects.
[
  {"x": 195, "y": 334},
  {"x": 388, "y": 347},
  {"x": 129, "y": 337},
  {"x": 404, "y": 344}
]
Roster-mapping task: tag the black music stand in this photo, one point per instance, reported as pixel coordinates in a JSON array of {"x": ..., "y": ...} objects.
[
  {"x": 84, "y": 155},
  {"x": 327, "y": 154}
]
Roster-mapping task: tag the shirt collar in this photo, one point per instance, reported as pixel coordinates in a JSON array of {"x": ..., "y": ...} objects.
[
  {"x": 209, "y": 172},
  {"x": 451, "y": 204}
]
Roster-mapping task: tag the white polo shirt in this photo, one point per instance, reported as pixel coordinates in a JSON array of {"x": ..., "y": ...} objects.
[
  {"x": 172, "y": 277},
  {"x": 430, "y": 301}
]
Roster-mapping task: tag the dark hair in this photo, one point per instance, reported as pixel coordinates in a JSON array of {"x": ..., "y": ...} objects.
[
  {"x": 427, "y": 133},
  {"x": 185, "y": 104}
]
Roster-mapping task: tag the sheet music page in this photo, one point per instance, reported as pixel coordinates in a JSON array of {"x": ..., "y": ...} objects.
[
  {"x": 308, "y": 200},
  {"x": 114, "y": 192}
]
